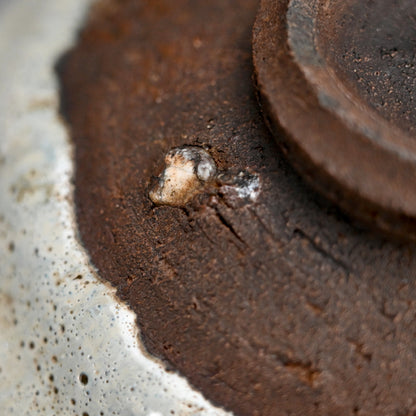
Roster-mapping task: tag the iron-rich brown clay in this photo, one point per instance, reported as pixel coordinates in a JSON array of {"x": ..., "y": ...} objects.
[
  {"x": 338, "y": 78},
  {"x": 271, "y": 306}
]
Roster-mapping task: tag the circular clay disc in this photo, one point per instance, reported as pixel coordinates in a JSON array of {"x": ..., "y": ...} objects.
[
  {"x": 242, "y": 278},
  {"x": 338, "y": 78}
]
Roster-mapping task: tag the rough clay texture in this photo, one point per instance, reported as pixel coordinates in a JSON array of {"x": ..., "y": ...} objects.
[
  {"x": 382, "y": 69},
  {"x": 337, "y": 134},
  {"x": 273, "y": 307}
]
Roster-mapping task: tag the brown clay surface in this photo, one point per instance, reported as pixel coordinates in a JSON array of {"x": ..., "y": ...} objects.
[
  {"x": 371, "y": 46},
  {"x": 273, "y": 307}
]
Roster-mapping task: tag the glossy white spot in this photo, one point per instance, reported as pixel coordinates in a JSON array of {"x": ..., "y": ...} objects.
[{"x": 187, "y": 170}]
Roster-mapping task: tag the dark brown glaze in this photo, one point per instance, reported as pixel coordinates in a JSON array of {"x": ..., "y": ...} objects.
[
  {"x": 273, "y": 307},
  {"x": 337, "y": 76}
]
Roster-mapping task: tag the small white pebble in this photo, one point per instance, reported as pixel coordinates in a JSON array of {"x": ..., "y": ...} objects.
[{"x": 187, "y": 170}]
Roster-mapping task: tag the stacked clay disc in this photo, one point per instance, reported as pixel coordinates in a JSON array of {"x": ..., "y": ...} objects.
[{"x": 268, "y": 298}]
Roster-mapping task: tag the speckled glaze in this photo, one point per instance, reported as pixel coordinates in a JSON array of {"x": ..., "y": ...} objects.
[{"x": 67, "y": 346}]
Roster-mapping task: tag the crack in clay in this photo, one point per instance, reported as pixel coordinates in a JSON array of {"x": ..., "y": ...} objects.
[{"x": 321, "y": 250}]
